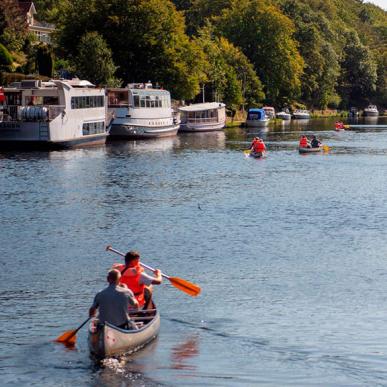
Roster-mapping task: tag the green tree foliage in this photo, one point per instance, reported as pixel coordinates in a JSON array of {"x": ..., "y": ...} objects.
[
  {"x": 265, "y": 36},
  {"x": 5, "y": 58},
  {"x": 147, "y": 38},
  {"x": 358, "y": 71},
  {"x": 13, "y": 27},
  {"x": 94, "y": 60},
  {"x": 44, "y": 60},
  {"x": 321, "y": 62}
]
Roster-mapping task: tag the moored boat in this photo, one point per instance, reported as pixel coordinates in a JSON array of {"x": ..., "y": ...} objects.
[
  {"x": 284, "y": 115},
  {"x": 107, "y": 340},
  {"x": 269, "y": 111},
  {"x": 310, "y": 150},
  {"x": 256, "y": 118},
  {"x": 371, "y": 111},
  {"x": 301, "y": 114},
  {"x": 53, "y": 114},
  {"x": 203, "y": 117},
  {"x": 141, "y": 112}
]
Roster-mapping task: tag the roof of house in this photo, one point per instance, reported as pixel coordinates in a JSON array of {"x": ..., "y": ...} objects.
[{"x": 27, "y": 6}]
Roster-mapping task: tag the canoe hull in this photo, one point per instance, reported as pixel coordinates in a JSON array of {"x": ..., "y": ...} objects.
[
  {"x": 257, "y": 155},
  {"x": 310, "y": 150},
  {"x": 107, "y": 340}
]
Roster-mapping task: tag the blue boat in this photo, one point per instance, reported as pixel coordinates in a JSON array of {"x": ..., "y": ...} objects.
[{"x": 256, "y": 118}]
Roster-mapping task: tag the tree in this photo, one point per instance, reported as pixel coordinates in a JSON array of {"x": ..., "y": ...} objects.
[
  {"x": 265, "y": 36},
  {"x": 44, "y": 60},
  {"x": 358, "y": 71},
  {"x": 13, "y": 27},
  {"x": 94, "y": 60},
  {"x": 5, "y": 58},
  {"x": 147, "y": 39}
]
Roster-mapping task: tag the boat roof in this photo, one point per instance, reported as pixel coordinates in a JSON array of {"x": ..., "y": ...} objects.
[
  {"x": 256, "y": 110},
  {"x": 202, "y": 106}
]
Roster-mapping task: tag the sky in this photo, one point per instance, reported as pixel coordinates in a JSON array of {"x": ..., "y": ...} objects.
[{"x": 380, "y": 3}]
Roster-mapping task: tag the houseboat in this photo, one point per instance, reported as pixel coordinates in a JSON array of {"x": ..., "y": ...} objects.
[
  {"x": 53, "y": 114},
  {"x": 140, "y": 112},
  {"x": 256, "y": 118},
  {"x": 301, "y": 114},
  {"x": 202, "y": 117},
  {"x": 371, "y": 111}
]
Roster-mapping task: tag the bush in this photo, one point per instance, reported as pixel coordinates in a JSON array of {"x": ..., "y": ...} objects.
[{"x": 5, "y": 58}]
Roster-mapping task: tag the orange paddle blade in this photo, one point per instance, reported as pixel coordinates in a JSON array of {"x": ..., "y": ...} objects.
[
  {"x": 185, "y": 286},
  {"x": 68, "y": 337}
]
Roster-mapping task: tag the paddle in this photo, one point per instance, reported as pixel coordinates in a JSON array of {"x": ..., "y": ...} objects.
[
  {"x": 69, "y": 337},
  {"x": 179, "y": 283},
  {"x": 247, "y": 151},
  {"x": 326, "y": 148}
]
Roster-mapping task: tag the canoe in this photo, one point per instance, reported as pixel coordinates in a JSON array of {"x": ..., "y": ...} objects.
[
  {"x": 257, "y": 155},
  {"x": 310, "y": 150},
  {"x": 107, "y": 340}
]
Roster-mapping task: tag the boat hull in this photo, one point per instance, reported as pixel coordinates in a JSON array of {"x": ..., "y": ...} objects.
[
  {"x": 257, "y": 123},
  {"x": 201, "y": 128},
  {"x": 310, "y": 150},
  {"x": 370, "y": 113},
  {"x": 6, "y": 144},
  {"x": 131, "y": 132},
  {"x": 108, "y": 340},
  {"x": 257, "y": 155},
  {"x": 284, "y": 116}
]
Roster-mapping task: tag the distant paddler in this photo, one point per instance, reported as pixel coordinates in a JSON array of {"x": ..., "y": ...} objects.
[
  {"x": 258, "y": 147},
  {"x": 135, "y": 278},
  {"x": 339, "y": 125}
]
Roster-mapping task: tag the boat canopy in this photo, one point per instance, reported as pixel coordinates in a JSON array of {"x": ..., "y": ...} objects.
[
  {"x": 256, "y": 114},
  {"x": 202, "y": 106}
]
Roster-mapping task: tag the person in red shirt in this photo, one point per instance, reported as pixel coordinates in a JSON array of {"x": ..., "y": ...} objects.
[
  {"x": 134, "y": 277},
  {"x": 304, "y": 142}
]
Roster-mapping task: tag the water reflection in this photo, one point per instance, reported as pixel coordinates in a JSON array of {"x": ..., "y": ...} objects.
[
  {"x": 183, "y": 352},
  {"x": 205, "y": 140}
]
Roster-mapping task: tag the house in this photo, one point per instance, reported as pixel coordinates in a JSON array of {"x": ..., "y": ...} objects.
[{"x": 41, "y": 30}]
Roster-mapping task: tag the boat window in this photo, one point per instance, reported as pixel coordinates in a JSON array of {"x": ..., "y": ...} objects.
[
  {"x": 89, "y": 128},
  {"x": 87, "y": 102},
  {"x": 13, "y": 98},
  {"x": 136, "y": 100}
]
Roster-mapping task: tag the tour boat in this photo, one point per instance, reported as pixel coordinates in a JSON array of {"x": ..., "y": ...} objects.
[
  {"x": 53, "y": 114},
  {"x": 202, "y": 117},
  {"x": 371, "y": 111},
  {"x": 140, "y": 112},
  {"x": 269, "y": 111},
  {"x": 256, "y": 118},
  {"x": 301, "y": 114},
  {"x": 106, "y": 340},
  {"x": 310, "y": 150}
]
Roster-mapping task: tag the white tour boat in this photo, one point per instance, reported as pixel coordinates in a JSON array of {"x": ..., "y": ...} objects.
[
  {"x": 371, "y": 111},
  {"x": 256, "y": 118},
  {"x": 140, "y": 111},
  {"x": 53, "y": 114},
  {"x": 301, "y": 114},
  {"x": 203, "y": 117}
]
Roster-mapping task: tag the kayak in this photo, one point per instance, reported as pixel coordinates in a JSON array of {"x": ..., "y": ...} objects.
[
  {"x": 108, "y": 340},
  {"x": 310, "y": 150},
  {"x": 257, "y": 155}
]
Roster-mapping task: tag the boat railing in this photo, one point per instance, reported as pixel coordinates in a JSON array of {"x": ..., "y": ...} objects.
[{"x": 31, "y": 113}]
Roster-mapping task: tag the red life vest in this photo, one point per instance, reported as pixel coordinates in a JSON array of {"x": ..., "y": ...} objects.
[
  {"x": 131, "y": 278},
  {"x": 304, "y": 142},
  {"x": 261, "y": 146}
]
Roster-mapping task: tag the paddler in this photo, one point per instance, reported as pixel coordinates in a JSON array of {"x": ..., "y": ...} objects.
[
  {"x": 315, "y": 143},
  {"x": 113, "y": 303},
  {"x": 134, "y": 277},
  {"x": 304, "y": 142}
]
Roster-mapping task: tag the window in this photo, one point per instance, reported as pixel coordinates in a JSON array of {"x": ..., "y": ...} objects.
[
  {"x": 87, "y": 102},
  {"x": 90, "y": 128}
]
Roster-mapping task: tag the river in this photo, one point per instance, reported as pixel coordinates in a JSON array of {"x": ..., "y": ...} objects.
[{"x": 290, "y": 252}]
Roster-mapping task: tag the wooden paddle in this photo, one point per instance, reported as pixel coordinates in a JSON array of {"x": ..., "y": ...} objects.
[
  {"x": 179, "y": 283},
  {"x": 69, "y": 337}
]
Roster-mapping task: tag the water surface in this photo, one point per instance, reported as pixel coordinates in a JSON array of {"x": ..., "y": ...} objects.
[{"x": 290, "y": 252}]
